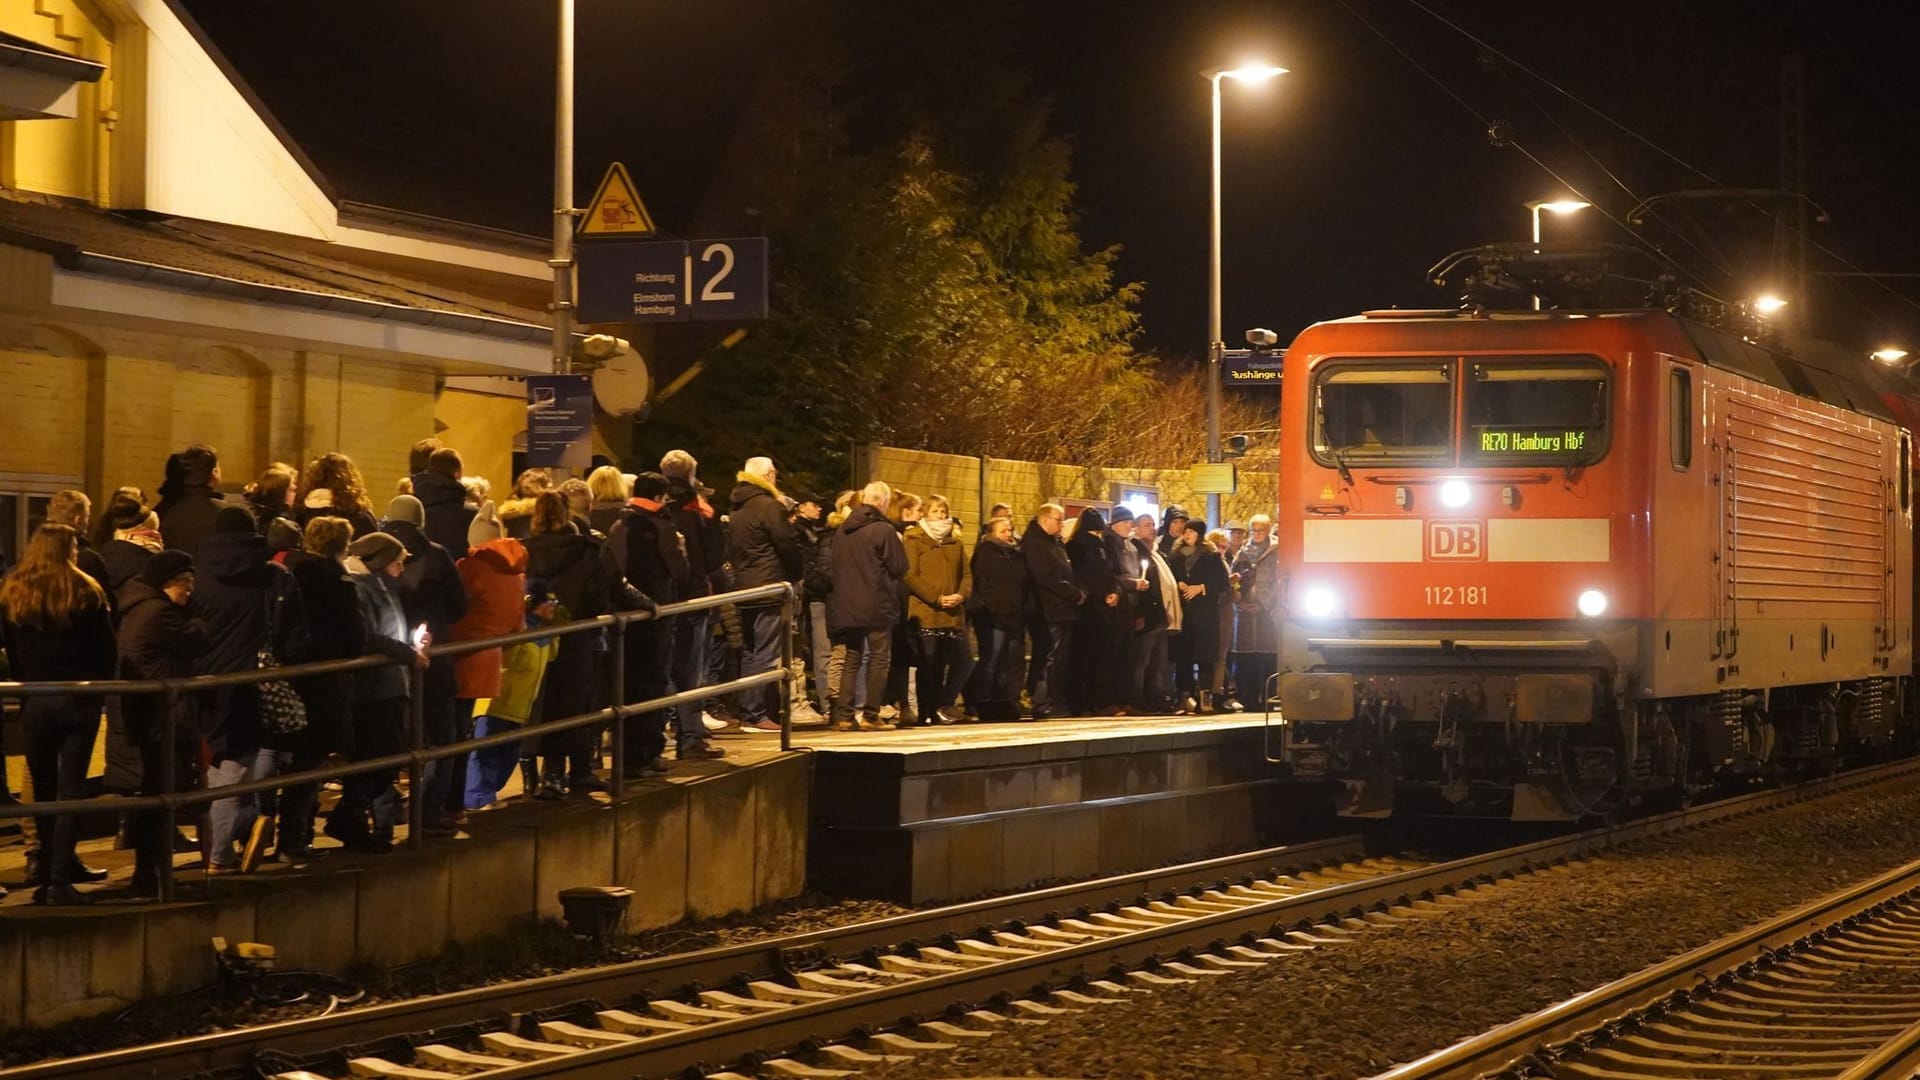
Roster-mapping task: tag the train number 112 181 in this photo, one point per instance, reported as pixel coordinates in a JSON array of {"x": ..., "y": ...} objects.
[{"x": 1456, "y": 595}]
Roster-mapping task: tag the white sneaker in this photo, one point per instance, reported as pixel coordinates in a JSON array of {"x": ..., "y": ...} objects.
[
  {"x": 805, "y": 715},
  {"x": 707, "y": 721},
  {"x": 889, "y": 714}
]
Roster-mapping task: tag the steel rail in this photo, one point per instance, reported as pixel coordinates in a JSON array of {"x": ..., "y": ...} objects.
[
  {"x": 881, "y": 1006},
  {"x": 1505, "y": 1048},
  {"x": 755, "y": 959}
]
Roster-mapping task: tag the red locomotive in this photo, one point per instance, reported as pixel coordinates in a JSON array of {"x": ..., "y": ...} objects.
[{"x": 1543, "y": 565}]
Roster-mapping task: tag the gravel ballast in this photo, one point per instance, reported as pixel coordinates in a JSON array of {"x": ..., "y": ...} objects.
[{"x": 1391, "y": 995}]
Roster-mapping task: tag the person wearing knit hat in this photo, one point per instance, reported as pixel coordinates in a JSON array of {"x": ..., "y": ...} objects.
[
  {"x": 485, "y": 527},
  {"x": 378, "y": 551},
  {"x": 166, "y": 567},
  {"x": 234, "y": 518},
  {"x": 409, "y": 509},
  {"x": 1172, "y": 523}
]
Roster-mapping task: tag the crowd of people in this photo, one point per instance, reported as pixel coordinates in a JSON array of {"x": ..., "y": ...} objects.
[{"x": 1094, "y": 616}]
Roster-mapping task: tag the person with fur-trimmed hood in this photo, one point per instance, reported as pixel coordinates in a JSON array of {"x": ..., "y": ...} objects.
[{"x": 764, "y": 549}]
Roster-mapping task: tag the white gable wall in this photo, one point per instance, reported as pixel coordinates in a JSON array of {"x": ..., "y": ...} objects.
[{"x": 208, "y": 154}]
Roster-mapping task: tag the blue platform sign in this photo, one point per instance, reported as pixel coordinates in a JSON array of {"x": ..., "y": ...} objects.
[
  {"x": 1248, "y": 369},
  {"x": 559, "y": 421},
  {"x": 642, "y": 281}
]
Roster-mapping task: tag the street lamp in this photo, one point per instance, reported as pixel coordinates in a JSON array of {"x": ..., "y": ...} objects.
[
  {"x": 1768, "y": 304},
  {"x": 1551, "y": 206},
  {"x": 1246, "y": 73},
  {"x": 1889, "y": 355}
]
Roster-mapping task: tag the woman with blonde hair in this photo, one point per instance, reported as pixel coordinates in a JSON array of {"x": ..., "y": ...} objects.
[
  {"x": 610, "y": 491},
  {"x": 54, "y": 621},
  {"x": 271, "y": 496},
  {"x": 335, "y": 488}
]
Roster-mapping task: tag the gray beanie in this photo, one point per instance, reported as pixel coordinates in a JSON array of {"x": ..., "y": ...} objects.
[
  {"x": 485, "y": 527},
  {"x": 408, "y": 509},
  {"x": 376, "y": 550}
]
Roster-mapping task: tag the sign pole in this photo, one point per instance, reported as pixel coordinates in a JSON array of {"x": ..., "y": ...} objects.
[{"x": 562, "y": 261}]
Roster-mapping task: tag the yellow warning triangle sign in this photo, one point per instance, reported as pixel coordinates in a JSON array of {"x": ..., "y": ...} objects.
[{"x": 616, "y": 209}]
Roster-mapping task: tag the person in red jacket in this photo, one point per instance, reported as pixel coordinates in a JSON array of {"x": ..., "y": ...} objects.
[{"x": 495, "y": 575}]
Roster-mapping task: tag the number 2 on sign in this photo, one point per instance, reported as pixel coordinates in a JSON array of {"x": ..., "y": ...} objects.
[
  {"x": 1456, "y": 595},
  {"x": 711, "y": 291}
]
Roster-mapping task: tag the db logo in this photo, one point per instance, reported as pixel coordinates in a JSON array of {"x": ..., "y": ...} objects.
[{"x": 1455, "y": 540}]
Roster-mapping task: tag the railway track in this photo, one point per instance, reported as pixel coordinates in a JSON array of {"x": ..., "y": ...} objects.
[
  {"x": 1830, "y": 989},
  {"x": 834, "y": 1001}
]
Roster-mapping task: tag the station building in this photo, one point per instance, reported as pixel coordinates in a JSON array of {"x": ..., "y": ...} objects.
[{"x": 174, "y": 270}]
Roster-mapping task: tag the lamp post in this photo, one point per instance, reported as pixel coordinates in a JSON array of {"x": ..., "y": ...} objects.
[
  {"x": 1552, "y": 206},
  {"x": 562, "y": 260},
  {"x": 1247, "y": 73}
]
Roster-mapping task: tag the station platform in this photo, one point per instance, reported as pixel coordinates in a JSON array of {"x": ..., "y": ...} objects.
[
  {"x": 710, "y": 838},
  {"x": 930, "y": 814}
]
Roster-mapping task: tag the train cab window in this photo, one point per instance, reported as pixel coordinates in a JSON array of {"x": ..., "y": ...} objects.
[
  {"x": 1536, "y": 410},
  {"x": 1680, "y": 417},
  {"x": 1383, "y": 413}
]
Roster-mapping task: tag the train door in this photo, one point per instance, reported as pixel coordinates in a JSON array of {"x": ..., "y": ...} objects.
[{"x": 1726, "y": 530}]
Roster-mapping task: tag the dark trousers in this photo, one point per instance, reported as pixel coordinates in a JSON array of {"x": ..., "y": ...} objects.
[
  {"x": 153, "y": 829},
  {"x": 998, "y": 674},
  {"x": 59, "y": 733},
  {"x": 944, "y": 667},
  {"x": 1147, "y": 674},
  {"x": 687, "y": 670},
  {"x": 368, "y": 800},
  {"x": 443, "y": 729},
  {"x": 1053, "y": 658},
  {"x": 1251, "y": 670},
  {"x": 298, "y": 804},
  {"x": 456, "y": 800},
  {"x": 851, "y": 645},
  {"x": 1180, "y": 657},
  {"x": 650, "y": 647},
  {"x": 763, "y": 630},
  {"x": 905, "y": 655}
]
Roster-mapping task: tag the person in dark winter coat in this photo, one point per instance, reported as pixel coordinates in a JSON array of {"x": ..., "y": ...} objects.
[
  {"x": 938, "y": 582},
  {"x": 247, "y": 603},
  {"x": 1059, "y": 598},
  {"x": 998, "y": 605},
  {"x": 432, "y": 595},
  {"x": 1206, "y": 589},
  {"x": 444, "y": 500},
  {"x": 160, "y": 639},
  {"x": 187, "y": 517},
  {"x": 369, "y": 805},
  {"x": 867, "y": 563},
  {"x": 610, "y": 490},
  {"x": 764, "y": 550},
  {"x": 55, "y": 624},
  {"x": 133, "y": 537},
  {"x": 1256, "y": 628},
  {"x": 572, "y": 567},
  {"x": 706, "y": 538},
  {"x": 645, "y": 549},
  {"x": 1096, "y": 641},
  {"x": 336, "y": 630}
]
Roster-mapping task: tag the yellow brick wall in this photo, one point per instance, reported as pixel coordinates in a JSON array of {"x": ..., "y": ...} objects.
[
  {"x": 132, "y": 431},
  {"x": 482, "y": 427},
  {"x": 57, "y": 157},
  {"x": 1024, "y": 485},
  {"x": 383, "y": 410},
  {"x": 45, "y": 430}
]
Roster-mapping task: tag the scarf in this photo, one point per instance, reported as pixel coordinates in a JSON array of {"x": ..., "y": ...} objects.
[
  {"x": 144, "y": 537},
  {"x": 937, "y": 529},
  {"x": 1169, "y": 589}
]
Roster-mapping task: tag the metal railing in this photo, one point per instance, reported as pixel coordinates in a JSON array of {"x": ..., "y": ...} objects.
[{"x": 415, "y": 760}]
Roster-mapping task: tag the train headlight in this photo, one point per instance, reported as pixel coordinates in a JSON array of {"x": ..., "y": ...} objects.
[
  {"x": 1455, "y": 494},
  {"x": 1319, "y": 602},
  {"x": 1592, "y": 603}
]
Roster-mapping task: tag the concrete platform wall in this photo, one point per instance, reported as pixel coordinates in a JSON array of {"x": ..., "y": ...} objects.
[{"x": 698, "y": 849}]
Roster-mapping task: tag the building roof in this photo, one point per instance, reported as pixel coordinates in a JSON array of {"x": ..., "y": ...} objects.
[
  {"x": 18, "y": 52},
  {"x": 266, "y": 266}
]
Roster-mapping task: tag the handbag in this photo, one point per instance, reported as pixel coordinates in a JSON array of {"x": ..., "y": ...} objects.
[{"x": 282, "y": 712}]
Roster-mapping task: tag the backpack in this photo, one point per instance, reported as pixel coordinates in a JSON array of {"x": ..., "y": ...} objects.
[{"x": 655, "y": 547}]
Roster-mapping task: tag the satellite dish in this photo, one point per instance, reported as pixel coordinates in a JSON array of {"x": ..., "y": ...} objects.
[{"x": 621, "y": 385}]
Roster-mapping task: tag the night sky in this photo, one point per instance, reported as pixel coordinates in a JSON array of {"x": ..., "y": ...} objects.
[{"x": 1344, "y": 180}]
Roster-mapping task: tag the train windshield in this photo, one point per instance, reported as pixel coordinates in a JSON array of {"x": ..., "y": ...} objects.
[
  {"x": 1384, "y": 412},
  {"x": 1536, "y": 410}
]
